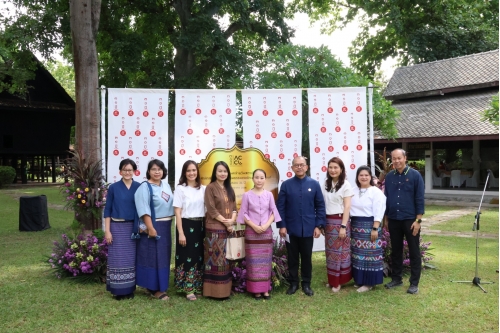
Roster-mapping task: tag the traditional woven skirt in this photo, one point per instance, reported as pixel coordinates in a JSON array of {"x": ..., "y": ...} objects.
[
  {"x": 189, "y": 258},
  {"x": 153, "y": 258},
  {"x": 120, "y": 276},
  {"x": 338, "y": 252},
  {"x": 259, "y": 257},
  {"x": 367, "y": 256},
  {"x": 217, "y": 277}
]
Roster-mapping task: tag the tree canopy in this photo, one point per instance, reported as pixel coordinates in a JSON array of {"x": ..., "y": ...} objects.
[
  {"x": 168, "y": 44},
  {"x": 491, "y": 114},
  {"x": 410, "y": 31},
  {"x": 292, "y": 66}
]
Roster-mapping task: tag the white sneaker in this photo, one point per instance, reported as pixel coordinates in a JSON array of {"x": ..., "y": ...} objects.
[{"x": 363, "y": 289}]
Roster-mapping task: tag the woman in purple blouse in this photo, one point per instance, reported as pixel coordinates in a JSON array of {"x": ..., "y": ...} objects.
[{"x": 258, "y": 211}]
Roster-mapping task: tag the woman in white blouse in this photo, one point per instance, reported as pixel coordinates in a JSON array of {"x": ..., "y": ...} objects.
[
  {"x": 189, "y": 208},
  {"x": 367, "y": 212},
  {"x": 337, "y": 193}
]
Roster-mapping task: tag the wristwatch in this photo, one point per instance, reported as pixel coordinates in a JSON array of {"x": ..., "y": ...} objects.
[
  {"x": 375, "y": 229},
  {"x": 343, "y": 226},
  {"x": 419, "y": 221}
]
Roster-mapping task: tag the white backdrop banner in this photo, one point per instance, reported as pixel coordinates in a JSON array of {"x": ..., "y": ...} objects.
[
  {"x": 137, "y": 129},
  {"x": 337, "y": 128},
  {"x": 272, "y": 122},
  {"x": 204, "y": 119}
]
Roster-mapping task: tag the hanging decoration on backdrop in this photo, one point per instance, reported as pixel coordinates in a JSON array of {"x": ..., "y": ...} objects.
[
  {"x": 204, "y": 120},
  {"x": 337, "y": 128},
  {"x": 272, "y": 122},
  {"x": 137, "y": 129}
]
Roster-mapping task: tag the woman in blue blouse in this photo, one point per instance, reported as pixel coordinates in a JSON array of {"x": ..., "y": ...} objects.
[
  {"x": 119, "y": 214},
  {"x": 155, "y": 246}
]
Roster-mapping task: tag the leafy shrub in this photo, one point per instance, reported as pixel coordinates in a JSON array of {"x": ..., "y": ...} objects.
[{"x": 7, "y": 175}]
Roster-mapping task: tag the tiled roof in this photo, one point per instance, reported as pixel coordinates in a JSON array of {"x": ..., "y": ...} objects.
[
  {"x": 445, "y": 116},
  {"x": 476, "y": 70}
]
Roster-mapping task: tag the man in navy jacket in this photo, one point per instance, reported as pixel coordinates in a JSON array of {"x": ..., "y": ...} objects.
[
  {"x": 404, "y": 189},
  {"x": 302, "y": 210}
]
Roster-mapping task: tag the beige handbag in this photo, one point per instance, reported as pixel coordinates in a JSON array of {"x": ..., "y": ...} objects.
[{"x": 235, "y": 245}]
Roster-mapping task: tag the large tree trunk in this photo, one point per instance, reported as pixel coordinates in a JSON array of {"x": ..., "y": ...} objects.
[{"x": 84, "y": 20}]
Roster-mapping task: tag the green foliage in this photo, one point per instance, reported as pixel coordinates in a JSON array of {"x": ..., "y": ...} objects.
[
  {"x": 16, "y": 67},
  {"x": 293, "y": 66},
  {"x": 7, "y": 175},
  {"x": 64, "y": 74},
  {"x": 491, "y": 114},
  {"x": 411, "y": 31}
]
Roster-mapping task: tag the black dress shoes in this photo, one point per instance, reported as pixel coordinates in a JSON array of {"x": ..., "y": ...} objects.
[
  {"x": 307, "y": 290},
  {"x": 292, "y": 289}
]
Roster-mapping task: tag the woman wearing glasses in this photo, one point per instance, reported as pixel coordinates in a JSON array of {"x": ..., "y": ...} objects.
[
  {"x": 155, "y": 246},
  {"x": 119, "y": 215},
  {"x": 367, "y": 212}
]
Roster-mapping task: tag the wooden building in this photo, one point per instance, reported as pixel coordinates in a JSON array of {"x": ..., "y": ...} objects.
[
  {"x": 441, "y": 104},
  {"x": 35, "y": 131}
]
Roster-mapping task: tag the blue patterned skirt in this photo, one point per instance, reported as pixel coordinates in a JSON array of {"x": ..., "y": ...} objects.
[
  {"x": 153, "y": 258},
  {"x": 120, "y": 275},
  {"x": 367, "y": 256}
]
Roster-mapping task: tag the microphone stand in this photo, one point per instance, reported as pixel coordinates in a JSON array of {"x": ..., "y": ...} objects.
[{"x": 477, "y": 280}]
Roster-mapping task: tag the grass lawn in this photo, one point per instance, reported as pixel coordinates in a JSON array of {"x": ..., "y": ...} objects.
[
  {"x": 488, "y": 222},
  {"x": 431, "y": 210},
  {"x": 34, "y": 301}
]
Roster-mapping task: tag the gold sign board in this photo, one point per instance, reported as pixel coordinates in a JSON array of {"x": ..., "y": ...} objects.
[{"x": 242, "y": 163}]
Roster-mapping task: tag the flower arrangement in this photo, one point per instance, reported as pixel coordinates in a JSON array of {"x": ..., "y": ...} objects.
[
  {"x": 279, "y": 273},
  {"x": 85, "y": 191},
  {"x": 384, "y": 166},
  {"x": 83, "y": 258},
  {"x": 386, "y": 246}
]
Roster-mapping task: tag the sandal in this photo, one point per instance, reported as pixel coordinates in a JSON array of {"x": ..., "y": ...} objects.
[
  {"x": 267, "y": 297},
  {"x": 336, "y": 290},
  {"x": 161, "y": 296},
  {"x": 257, "y": 297},
  {"x": 191, "y": 297}
]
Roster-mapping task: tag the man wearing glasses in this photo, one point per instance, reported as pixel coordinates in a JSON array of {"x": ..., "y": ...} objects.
[{"x": 302, "y": 210}]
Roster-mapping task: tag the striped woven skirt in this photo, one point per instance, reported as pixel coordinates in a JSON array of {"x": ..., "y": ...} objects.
[
  {"x": 259, "y": 257},
  {"x": 217, "y": 277},
  {"x": 153, "y": 258},
  {"x": 338, "y": 252},
  {"x": 367, "y": 256},
  {"x": 120, "y": 275}
]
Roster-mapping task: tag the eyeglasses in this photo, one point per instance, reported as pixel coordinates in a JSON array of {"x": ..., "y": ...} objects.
[
  {"x": 128, "y": 170},
  {"x": 300, "y": 166}
]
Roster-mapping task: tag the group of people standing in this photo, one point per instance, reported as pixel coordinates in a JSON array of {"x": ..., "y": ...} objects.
[
  {"x": 350, "y": 218},
  {"x": 138, "y": 222}
]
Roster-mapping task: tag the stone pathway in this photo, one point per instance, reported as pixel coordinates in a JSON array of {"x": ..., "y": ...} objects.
[{"x": 450, "y": 215}]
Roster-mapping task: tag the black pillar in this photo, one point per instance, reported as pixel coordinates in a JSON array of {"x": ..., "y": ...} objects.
[
  {"x": 53, "y": 160},
  {"x": 24, "y": 170}
]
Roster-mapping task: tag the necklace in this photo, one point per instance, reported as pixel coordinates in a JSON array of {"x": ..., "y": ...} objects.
[
  {"x": 334, "y": 185},
  {"x": 362, "y": 192}
]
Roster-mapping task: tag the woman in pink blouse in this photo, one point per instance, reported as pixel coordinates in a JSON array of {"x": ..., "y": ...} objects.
[{"x": 258, "y": 211}]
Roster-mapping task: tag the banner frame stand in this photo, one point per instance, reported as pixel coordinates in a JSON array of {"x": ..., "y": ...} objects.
[
  {"x": 103, "y": 141},
  {"x": 371, "y": 148}
]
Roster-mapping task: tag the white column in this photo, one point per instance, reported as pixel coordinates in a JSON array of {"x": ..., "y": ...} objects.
[{"x": 428, "y": 169}]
